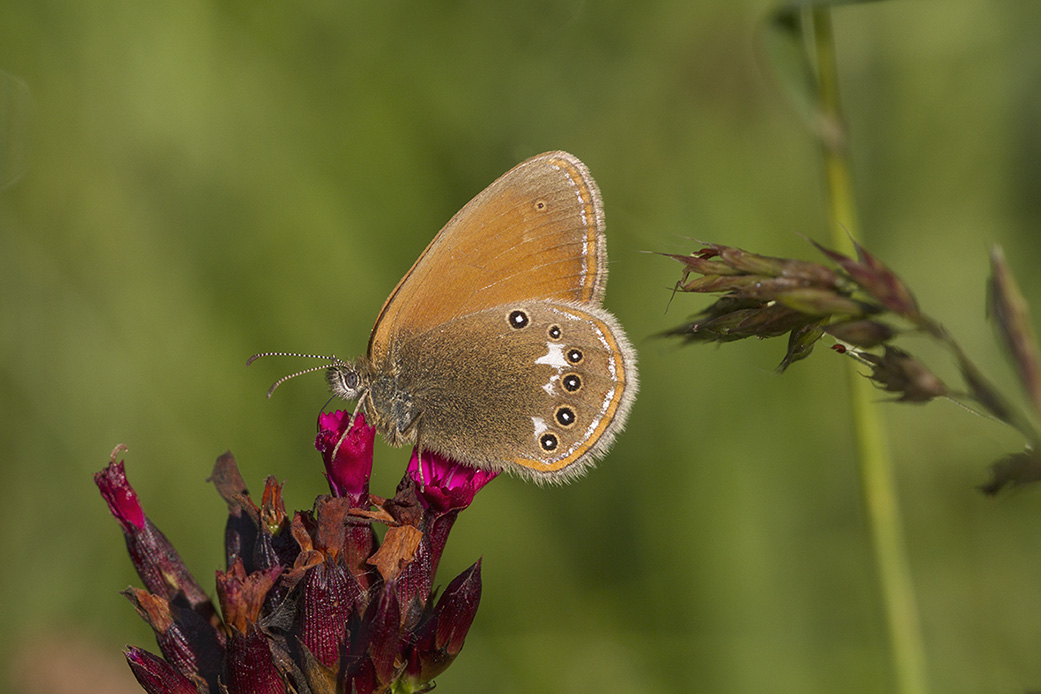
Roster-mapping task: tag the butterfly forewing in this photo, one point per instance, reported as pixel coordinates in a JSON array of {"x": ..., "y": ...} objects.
[{"x": 535, "y": 233}]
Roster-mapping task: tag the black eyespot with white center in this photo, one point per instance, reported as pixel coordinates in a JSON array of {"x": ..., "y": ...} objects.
[
  {"x": 554, "y": 332},
  {"x": 572, "y": 382},
  {"x": 565, "y": 416},
  {"x": 540, "y": 205},
  {"x": 549, "y": 442},
  {"x": 575, "y": 356},
  {"x": 518, "y": 319}
]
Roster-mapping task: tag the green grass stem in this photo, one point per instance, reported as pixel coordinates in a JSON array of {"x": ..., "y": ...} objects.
[{"x": 875, "y": 466}]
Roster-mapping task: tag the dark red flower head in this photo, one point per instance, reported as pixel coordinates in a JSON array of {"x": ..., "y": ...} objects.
[{"x": 311, "y": 600}]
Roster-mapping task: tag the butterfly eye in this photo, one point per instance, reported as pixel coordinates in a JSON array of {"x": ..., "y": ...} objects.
[{"x": 347, "y": 379}]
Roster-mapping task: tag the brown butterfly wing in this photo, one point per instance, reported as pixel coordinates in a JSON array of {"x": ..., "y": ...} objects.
[
  {"x": 543, "y": 399},
  {"x": 535, "y": 233},
  {"x": 606, "y": 375}
]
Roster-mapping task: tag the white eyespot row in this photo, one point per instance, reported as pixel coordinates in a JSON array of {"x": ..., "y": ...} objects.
[{"x": 556, "y": 357}]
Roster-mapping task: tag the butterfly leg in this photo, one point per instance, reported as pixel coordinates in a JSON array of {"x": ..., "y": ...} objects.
[
  {"x": 419, "y": 453},
  {"x": 350, "y": 424}
]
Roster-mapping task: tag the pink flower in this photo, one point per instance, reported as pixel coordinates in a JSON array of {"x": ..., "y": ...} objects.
[
  {"x": 446, "y": 485},
  {"x": 347, "y": 454}
]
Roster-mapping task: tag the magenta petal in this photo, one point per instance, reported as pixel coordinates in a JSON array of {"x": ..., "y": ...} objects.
[
  {"x": 447, "y": 484},
  {"x": 348, "y": 459},
  {"x": 120, "y": 496}
]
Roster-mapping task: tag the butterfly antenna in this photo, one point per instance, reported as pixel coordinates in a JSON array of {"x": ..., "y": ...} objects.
[
  {"x": 331, "y": 358},
  {"x": 276, "y": 384},
  {"x": 252, "y": 359}
]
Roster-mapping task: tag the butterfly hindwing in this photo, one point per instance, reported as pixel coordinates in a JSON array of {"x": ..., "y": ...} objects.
[{"x": 532, "y": 386}]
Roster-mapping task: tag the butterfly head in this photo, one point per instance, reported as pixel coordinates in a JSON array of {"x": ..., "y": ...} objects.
[{"x": 347, "y": 380}]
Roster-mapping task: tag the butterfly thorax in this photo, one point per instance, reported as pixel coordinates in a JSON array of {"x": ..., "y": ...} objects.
[{"x": 392, "y": 409}]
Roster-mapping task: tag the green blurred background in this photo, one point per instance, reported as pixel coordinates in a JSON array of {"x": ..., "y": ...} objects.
[{"x": 192, "y": 182}]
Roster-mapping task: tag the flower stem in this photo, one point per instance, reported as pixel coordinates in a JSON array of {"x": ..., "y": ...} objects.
[{"x": 876, "y": 470}]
